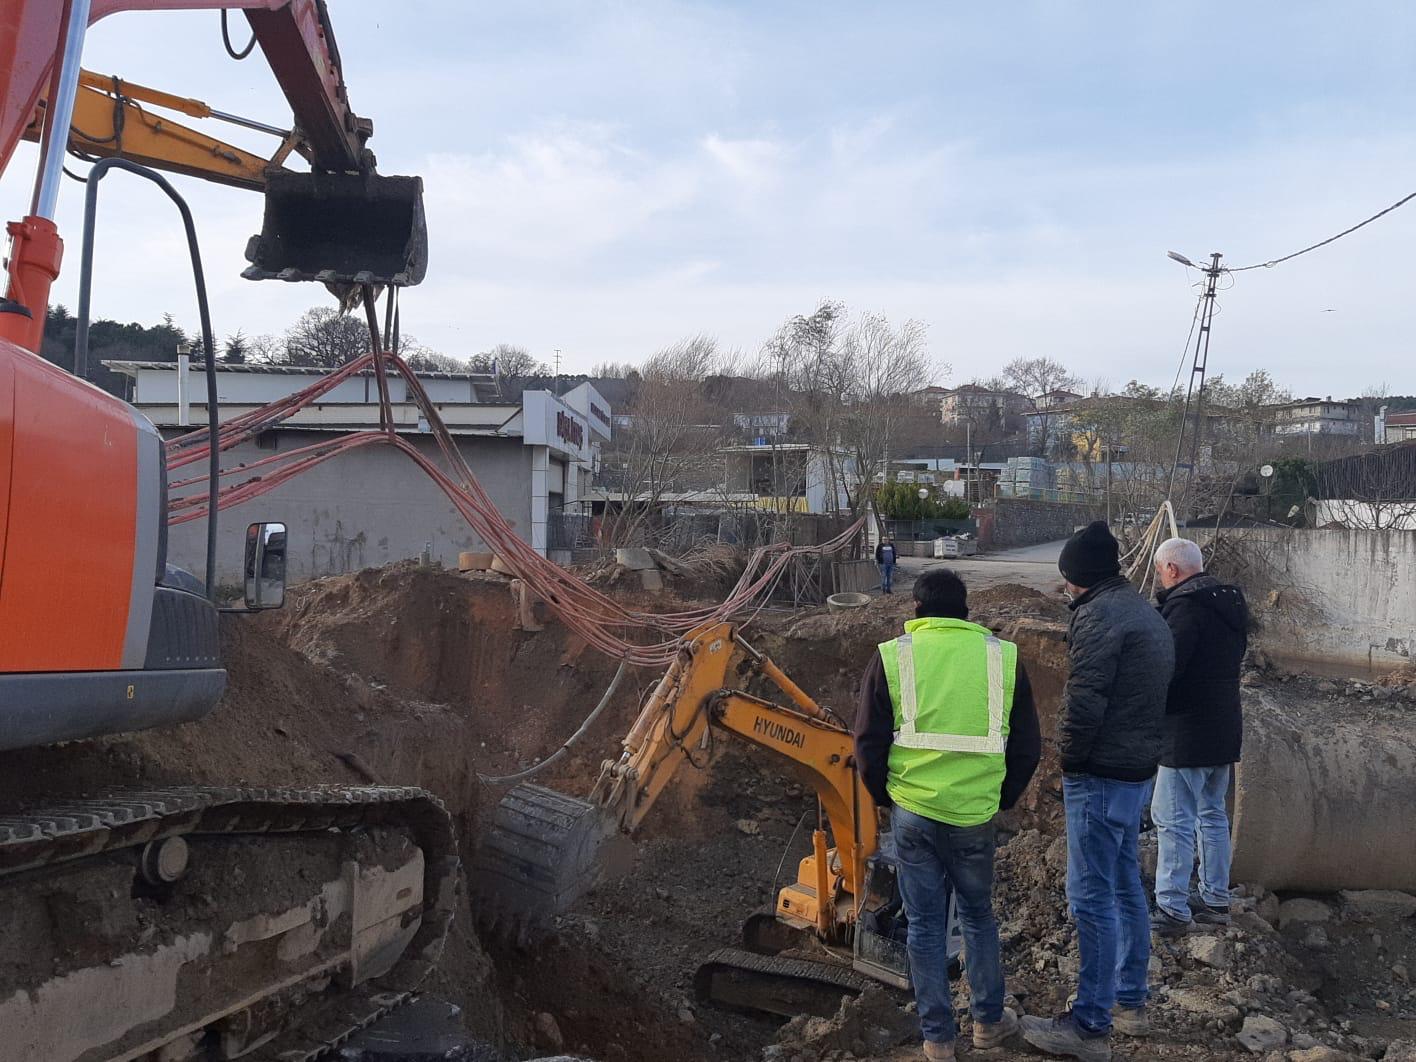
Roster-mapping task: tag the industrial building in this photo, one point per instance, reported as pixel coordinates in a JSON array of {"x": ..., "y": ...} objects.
[{"x": 370, "y": 506}]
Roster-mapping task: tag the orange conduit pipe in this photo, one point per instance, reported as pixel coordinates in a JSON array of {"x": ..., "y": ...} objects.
[{"x": 596, "y": 618}]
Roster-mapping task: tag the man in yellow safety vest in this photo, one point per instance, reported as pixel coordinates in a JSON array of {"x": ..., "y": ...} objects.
[{"x": 946, "y": 732}]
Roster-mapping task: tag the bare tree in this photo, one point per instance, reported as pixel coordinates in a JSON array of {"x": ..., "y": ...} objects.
[
  {"x": 670, "y": 444},
  {"x": 324, "y": 338},
  {"x": 424, "y": 359},
  {"x": 509, "y": 362},
  {"x": 881, "y": 366},
  {"x": 1035, "y": 378}
]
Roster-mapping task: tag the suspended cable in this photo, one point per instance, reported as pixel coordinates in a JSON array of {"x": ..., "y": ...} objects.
[{"x": 1323, "y": 243}]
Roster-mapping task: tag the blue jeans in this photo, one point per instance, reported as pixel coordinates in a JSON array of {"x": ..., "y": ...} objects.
[
  {"x": 931, "y": 857},
  {"x": 887, "y": 575},
  {"x": 1107, "y": 899},
  {"x": 1189, "y": 801}
]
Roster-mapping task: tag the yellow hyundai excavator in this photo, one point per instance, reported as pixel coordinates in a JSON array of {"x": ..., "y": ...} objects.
[{"x": 544, "y": 850}]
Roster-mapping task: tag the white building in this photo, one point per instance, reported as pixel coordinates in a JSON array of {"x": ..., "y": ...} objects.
[
  {"x": 371, "y": 505},
  {"x": 1317, "y": 416},
  {"x": 790, "y": 477}
]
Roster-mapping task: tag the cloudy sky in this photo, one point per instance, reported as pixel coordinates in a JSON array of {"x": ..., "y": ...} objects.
[{"x": 608, "y": 177}]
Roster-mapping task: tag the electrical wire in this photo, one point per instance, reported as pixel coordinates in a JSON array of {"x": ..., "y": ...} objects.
[
  {"x": 508, "y": 779},
  {"x": 634, "y": 637},
  {"x": 1323, "y": 243},
  {"x": 226, "y": 40},
  {"x": 1185, "y": 350}
]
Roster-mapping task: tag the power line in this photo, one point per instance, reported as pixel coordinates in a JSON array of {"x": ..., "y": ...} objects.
[{"x": 1276, "y": 261}]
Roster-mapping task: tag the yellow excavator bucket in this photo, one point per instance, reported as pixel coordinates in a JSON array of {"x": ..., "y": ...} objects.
[{"x": 341, "y": 227}]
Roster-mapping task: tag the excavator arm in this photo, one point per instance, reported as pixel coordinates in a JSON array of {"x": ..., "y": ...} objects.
[
  {"x": 114, "y": 117},
  {"x": 341, "y": 223},
  {"x": 537, "y": 860}
]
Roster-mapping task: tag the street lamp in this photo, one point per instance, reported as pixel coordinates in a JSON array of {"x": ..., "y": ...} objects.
[
  {"x": 923, "y": 493},
  {"x": 1178, "y": 257}
]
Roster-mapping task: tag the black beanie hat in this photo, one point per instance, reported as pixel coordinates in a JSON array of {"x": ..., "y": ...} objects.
[{"x": 1090, "y": 556}]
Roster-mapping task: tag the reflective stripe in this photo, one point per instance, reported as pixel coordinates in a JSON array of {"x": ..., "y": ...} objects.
[
  {"x": 992, "y": 743},
  {"x": 909, "y": 704}
]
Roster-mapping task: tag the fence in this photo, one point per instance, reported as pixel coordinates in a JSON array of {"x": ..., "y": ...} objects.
[{"x": 927, "y": 530}]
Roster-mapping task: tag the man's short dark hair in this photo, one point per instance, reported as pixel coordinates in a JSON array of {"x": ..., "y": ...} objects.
[{"x": 942, "y": 594}]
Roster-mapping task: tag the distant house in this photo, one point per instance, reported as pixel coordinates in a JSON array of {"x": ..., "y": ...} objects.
[
  {"x": 974, "y": 403},
  {"x": 1317, "y": 416},
  {"x": 763, "y": 425},
  {"x": 929, "y": 397},
  {"x": 1054, "y": 398},
  {"x": 789, "y": 477},
  {"x": 1395, "y": 427}
]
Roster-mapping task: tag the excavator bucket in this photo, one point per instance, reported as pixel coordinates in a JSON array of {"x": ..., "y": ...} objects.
[
  {"x": 341, "y": 228},
  {"x": 543, "y": 851}
]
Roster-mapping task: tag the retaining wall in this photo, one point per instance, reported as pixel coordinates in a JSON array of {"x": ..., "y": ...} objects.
[
  {"x": 1023, "y": 522},
  {"x": 1342, "y": 600}
]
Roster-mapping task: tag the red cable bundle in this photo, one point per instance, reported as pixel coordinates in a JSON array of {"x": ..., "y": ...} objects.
[{"x": 592, "y": 615}]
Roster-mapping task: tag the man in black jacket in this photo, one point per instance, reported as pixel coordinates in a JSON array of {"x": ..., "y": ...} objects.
[
  {"x": 1109, "y": 733},
  {"x": 1203, "y": 731}
]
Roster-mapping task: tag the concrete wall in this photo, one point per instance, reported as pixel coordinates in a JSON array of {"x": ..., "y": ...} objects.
[
  {"x": 1334, "y": 600},
  {"x": 368, "y": 507},
  {"x": 1021, "y": 522}
]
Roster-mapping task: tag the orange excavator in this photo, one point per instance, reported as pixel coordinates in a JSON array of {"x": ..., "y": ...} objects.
[{"x": 183, "y": 923}]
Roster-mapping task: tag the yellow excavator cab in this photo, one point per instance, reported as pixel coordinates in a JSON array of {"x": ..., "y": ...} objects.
[{"x": 341, "y": 228}]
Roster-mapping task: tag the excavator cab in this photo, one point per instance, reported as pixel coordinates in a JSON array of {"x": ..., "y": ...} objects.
[{"x": 350, "y": 228}]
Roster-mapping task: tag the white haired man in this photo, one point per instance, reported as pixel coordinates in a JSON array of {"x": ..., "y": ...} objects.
[{"x": 1203, "y": 733}]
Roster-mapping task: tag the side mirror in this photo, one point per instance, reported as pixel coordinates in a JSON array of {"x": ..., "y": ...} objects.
[{"x": 265, "y": 566}]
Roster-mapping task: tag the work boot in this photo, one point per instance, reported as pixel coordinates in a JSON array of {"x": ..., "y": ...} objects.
[
  {"x": 1165, "y": 924},
  {"x": 1061, "y": 1036},
  {"x": 988, "y": 1036},
  {"x": 1207, "y": 914},
  {"x": 936, "y": 1052},
  {"x": 1130, "y": 1021}
]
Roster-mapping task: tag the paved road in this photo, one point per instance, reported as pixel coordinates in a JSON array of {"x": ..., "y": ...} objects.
[{"x": 1034, "y": 566}]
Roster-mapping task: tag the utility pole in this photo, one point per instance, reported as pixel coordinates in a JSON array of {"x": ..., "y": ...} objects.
[
  {"x": 968, "y": 455},
  {"x": 556, "y": 386},
  {"x": 1196, "y": 390},
  {"x": 1108, "y": 484}
]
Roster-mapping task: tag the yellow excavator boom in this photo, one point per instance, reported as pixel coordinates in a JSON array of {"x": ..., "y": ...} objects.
[{"x": 113, "y": 117}]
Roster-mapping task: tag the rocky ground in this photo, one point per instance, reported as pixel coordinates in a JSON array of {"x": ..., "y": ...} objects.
[{"x": 405, "y": 675}]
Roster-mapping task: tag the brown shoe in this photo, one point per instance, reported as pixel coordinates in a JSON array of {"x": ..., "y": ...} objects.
[
  {"x": 990, "y": 1036},
  {"x": 1130, "y": 1021},
  {"x": 935, "y": 1052}
]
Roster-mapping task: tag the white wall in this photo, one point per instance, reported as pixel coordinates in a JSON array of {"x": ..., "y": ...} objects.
[{"x": 1335, "y": 599}]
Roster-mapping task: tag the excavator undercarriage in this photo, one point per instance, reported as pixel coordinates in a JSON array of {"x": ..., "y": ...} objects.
[{"x": 218, "y": 923}]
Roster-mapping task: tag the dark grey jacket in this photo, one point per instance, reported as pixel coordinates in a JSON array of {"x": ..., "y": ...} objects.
[{"x": 1113, "y": 705}]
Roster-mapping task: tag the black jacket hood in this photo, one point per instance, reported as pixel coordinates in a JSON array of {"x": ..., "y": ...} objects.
[{"x": 1224, "y": 600}]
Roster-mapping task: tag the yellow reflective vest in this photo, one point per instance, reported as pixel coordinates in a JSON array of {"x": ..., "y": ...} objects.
[{"x": 951, "y": 684}]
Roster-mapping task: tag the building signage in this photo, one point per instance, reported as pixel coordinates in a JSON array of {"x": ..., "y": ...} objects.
[{"x": 569, "y": 430}]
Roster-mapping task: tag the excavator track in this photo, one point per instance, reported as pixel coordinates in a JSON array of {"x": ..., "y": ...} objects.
[
  {"x": 787, "y": 987},
  {"x": 137, "y": 920}
]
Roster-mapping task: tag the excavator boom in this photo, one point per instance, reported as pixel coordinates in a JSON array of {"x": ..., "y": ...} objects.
[{"x": 544, "y": 849}]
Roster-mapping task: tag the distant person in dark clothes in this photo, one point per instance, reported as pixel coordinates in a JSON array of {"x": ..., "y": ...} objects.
[
  {"x": 947, "y": 733},
  {"x": 885, "y": 556},
  {"x": 1109, "y": 738},
  {"x": 1204, "y": 728}
]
